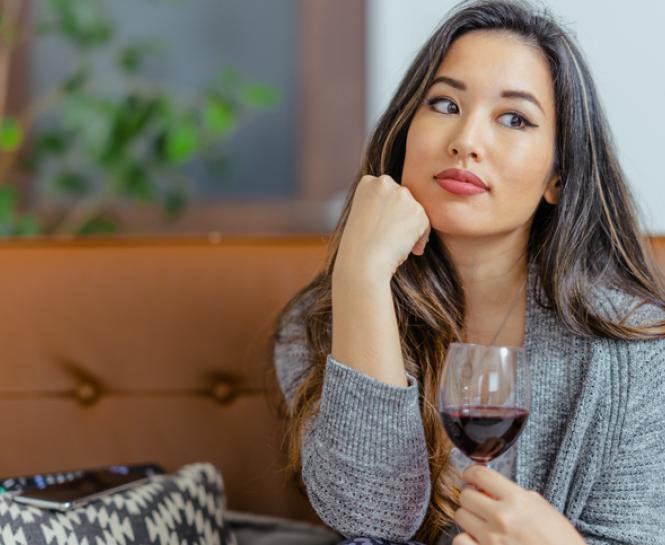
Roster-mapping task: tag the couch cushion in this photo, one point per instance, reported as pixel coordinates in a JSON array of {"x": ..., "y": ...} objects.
[
  {"x": 184, "y": 508},
  {"x": 255, "y": 529}
]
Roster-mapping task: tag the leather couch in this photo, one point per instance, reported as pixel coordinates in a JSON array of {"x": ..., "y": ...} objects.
[{"x": 134, "y": 350}]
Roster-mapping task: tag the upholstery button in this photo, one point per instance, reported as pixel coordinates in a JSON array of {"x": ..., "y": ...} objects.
[
  {"x": 86, "y": 393},
  {"x": 223, "y": 392}
]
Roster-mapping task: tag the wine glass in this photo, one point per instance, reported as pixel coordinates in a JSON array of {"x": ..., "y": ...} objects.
[{"x": 484, "y": 398}]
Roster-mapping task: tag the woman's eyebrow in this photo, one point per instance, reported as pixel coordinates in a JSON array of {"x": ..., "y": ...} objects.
[{"x": 511, "y": 93}]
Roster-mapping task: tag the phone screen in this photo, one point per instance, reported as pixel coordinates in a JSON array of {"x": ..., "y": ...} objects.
[{"x": 89, "y": 483}]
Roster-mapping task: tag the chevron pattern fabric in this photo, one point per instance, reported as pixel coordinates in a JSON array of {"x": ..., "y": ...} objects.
[
  {"x": 185, "y": 508},
  {"x": 375, "y": 541}
]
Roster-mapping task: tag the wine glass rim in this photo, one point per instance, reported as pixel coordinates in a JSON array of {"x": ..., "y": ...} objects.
[
  {"x": 464, "y": 406},
  {"x": 507, "y": 346}
]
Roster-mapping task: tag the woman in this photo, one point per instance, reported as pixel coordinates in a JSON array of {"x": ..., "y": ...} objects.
[{"x": 532, "y": 241}]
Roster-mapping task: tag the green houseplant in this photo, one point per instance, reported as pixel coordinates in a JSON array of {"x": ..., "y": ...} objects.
[{"x": 95, "y": 149}]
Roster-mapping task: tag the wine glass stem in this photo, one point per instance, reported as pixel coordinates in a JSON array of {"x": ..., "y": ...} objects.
[{"x": 484, "y": 464}]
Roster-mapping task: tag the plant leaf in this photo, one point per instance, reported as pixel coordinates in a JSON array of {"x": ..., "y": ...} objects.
[
  {"x": 131, "y": 58},
  {"x": 182, "y": 141},
  {"x": 83, "y": 23},
  {"x": 77, "y": 80},
  {"x": 129, "y": 121},
  {"x": 134, "y": 182},
  {"x": 11, "y": 134},
  {"x": 72, "y": 183},
  {"x": 88, "y": 119},
  {"x": 8, "y": 197},
  {"x": 98, "y": 225},
  {"x": 260, "y": 96},
  {"x": 219, "y": 116},
  {"x": 50, "y": 143}
]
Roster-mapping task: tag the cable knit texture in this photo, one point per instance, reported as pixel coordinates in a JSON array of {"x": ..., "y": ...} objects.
[{"x": 593, "y": 446}]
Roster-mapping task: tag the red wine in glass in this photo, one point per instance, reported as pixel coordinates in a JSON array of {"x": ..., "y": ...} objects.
[
  {"x": 483, "y": 432},
  {"x": 484, "y": 398}
]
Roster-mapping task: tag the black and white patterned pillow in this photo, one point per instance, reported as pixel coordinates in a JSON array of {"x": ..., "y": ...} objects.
[
  {"x": 375, "y": 541},
  {"x": 186, "y": 508}
]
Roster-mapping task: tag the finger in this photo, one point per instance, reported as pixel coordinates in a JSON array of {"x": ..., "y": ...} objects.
[
  {"x": 490, "y": 481},
  {"x": 470, "y": 523},
  {"x": 464, "y": 539},
  {"x": 419, "y": 247},
  {"x": 478, "y": 503}
]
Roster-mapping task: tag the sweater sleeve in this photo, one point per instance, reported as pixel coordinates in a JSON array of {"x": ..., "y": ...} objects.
[
  {"x": 364, "y": 456},
  {"x": 626, "y": 507}
]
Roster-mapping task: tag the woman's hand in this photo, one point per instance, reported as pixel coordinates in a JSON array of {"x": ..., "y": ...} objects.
[
  {"x": 385, "y": 225},
  {"x": 499, "y": 512}
]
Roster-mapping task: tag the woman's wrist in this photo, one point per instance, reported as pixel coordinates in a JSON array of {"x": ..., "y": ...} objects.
[
  {"x": 365, "y": 333},
  {"x": 359, "y": 278}
]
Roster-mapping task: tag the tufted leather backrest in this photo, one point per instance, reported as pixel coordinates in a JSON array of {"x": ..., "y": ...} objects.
[
  {"x": 123, "y": 351},
  {"x": 130, "y": 351}
]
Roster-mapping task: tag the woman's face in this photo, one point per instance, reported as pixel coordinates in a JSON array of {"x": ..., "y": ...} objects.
[{"x": 472, "y": 119}]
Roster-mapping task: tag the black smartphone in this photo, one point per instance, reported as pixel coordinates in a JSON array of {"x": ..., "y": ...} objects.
[{"x": 89, "y": 485}]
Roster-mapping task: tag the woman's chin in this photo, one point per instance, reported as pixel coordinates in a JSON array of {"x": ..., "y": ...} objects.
[
  {"x": 459, "y": 229},
  {"x": 451, "y": 230}
]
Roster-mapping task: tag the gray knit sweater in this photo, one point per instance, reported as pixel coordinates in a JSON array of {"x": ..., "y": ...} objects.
[{"x": 593, "y": 446}]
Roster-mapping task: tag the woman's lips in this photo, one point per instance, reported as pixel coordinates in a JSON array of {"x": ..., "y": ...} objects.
[
  {"x": 459, "y": 188},
  {"x": 460, "y": 182}
]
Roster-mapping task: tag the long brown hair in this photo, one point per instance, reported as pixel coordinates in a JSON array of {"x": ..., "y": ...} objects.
[{"x": 590, "y": 238}]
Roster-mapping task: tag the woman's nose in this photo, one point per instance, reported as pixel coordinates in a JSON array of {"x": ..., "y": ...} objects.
[
  {"x": 463, "y": 151},
  {"x": 465, "y": 143}
]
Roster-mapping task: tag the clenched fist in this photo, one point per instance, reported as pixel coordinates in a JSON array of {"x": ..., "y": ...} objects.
[{"x": 384, "y": 226}]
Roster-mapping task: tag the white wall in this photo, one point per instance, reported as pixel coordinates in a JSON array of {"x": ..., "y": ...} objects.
[{"x": 624, "y": 43}]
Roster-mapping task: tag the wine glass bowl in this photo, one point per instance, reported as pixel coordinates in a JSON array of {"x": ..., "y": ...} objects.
[{"x": 484, "y": 398}]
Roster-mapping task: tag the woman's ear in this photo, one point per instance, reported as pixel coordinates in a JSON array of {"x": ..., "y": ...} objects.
[{"x": 553, "y": 190}]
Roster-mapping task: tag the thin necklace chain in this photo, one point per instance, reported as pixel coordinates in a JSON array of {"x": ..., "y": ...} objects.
[{"x": 512, "y": 306}]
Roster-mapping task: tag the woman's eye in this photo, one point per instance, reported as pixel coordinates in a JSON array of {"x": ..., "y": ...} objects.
[
  {"x": 516, "y": 121},
  {"x": 442, "y": 105}
]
